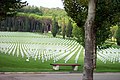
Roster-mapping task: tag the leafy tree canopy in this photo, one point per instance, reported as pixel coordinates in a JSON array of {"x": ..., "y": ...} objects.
[
  {"x": 31, "y": 9},
  {"x": 9, "y": 7},
  {"x": 107, "y": 14},
  {"x": 118, "y": 35}
]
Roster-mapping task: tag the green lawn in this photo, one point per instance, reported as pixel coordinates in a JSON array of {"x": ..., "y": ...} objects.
[
  {"x": 14, "y": 42},
  {"x": 108, "y": 67},
  {"x": 13, "y": 63},
  {"x": 9, "y": 63}
]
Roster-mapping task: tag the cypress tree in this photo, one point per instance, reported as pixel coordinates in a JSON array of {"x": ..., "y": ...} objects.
[
  {"x": 55, "y": 27},
  {"x": 69, "y": 29}
]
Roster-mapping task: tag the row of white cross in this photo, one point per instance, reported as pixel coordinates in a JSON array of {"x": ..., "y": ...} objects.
[
  {"x": 42, "y": 48},
  {"x": 109, "y": 54},
  {"x": 26, "y": 50}
]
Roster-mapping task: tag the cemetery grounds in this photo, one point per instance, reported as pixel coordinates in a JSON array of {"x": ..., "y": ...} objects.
[{"x": 33, "y": 52}]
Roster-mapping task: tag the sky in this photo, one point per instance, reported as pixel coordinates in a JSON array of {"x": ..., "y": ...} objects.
[{"x": 46, "y": 3}]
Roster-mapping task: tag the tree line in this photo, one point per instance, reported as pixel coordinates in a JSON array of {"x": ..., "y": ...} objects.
[
  {"x": 30, "y": 22},
  {"x": 40, "y": 19},
  {"x": 26, "y": 22}
]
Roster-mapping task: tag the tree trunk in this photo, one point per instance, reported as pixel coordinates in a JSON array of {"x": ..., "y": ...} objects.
[
  {"x": 94, "y": 53},
  {"x": 89, "y": 42},
  {"x": 94, "y": 47}
]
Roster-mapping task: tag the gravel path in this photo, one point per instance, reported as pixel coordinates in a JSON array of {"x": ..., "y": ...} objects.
[{"x": 60, "y": 76}]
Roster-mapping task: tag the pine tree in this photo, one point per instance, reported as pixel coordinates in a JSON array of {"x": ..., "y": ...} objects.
[{"x": 10, "y": 7}]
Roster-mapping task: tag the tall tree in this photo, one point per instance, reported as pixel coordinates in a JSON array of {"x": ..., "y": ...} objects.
[
  {"x": 118, "y": 35},
  {"x": 113, "y": 32},
  {"x": 55, "y": 27},
  {"x": 78, "y": 34},
  {"x": 69, "y": 29},
  {"x": 9, "y": 7},
  {"x": 75, "y": 11},
  {"x": 105, "y": 12},
  {"x": 90, "y": 34},
  {"x": 63, "y": 28}
]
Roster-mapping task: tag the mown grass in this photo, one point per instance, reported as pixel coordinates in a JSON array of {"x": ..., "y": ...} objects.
[
  {"x": 108, "y": 67},
  {"x": 9, "y": 63}
]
